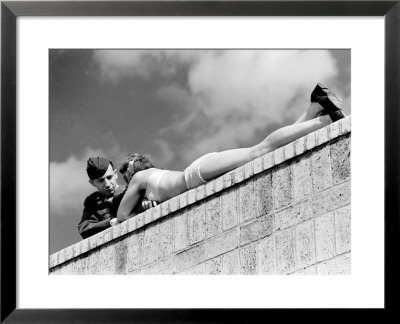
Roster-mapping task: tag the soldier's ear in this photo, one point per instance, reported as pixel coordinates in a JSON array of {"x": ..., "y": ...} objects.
[
  {"x": 116, "y": 173},
  {"x": 91, "y": 182}
]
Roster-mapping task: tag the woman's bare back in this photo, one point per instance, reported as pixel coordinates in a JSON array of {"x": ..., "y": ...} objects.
[{"x": 171, "y": 183}]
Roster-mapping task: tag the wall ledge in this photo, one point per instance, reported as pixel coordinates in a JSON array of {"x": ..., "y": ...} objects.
[{"x": 263, "y": 163}]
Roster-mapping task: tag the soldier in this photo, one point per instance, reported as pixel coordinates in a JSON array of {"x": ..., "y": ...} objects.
[{"x": 100, "y": 208}]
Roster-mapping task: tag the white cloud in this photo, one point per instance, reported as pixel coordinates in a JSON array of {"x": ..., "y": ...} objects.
[
  {"x": 69, "y": 183},
  {"x": 229, "y": 95},
  {"x": 115, "y": 65}
]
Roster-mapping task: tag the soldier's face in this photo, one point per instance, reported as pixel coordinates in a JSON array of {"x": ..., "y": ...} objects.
[{"x": 107, "y": 183}]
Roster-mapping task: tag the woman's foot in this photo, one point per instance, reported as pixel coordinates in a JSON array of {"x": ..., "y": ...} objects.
[
  {"x": 326, "y": 98},
  {"x": 331, "y": 103},
  {"x": 335, "y": 115}
]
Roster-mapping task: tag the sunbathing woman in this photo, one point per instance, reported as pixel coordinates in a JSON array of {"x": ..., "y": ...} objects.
[{"x": 145, "y": 180}]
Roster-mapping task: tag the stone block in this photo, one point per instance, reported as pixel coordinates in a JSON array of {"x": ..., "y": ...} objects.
[
  {"x": 289, "y": 151},
  {"x": 140, "y": 220},
  {"x": 200, "y": 192},
  {"x": 150, "y": 244},
  {"x": 148, "y": 216},
  {"x": 263, "y": 194},
  {"x": 161, "y": 267},
  {"x": 173, "y": 204},
  {"x": 61, "y": 256},
  {"x": 324, "y": 237},
  {"x": 228, "y": 179},
  {"x": 210, "y": 188},
  {"x": 248, "y": 170},
  {"x": 268, "y": 161},
  {"x": 322, "y": 135},
  {"x": 134, "y": 251},
  {"x": 67, "y": 269},
  {"x": 156, "y": 212},
  {"x": 195, "y": 271},
  {"x": 346, "y": 125},
  {"x": 331, "y": 199},
  {"x": 92, "y": 263},
  {"x": 247, "y": 201},
  {"x": 282, "y": 186},
  {"x": 92, "y": 242},
  {"x": 258, "y": 165},
  {"x": 76, "y": 249},
  {"x": 107, "y": 259},
  {"x": 256, "y": 230},
  {"x": 341, "y": 265},
  {"x": 107, "y": 237},
  {"x": 197, "y": 226},
  {"x": 340, "y": 155},
  {"x": 305, "y": 245},
  {"x": 214, "y": 266},
  {"x": 68, "y": 253},
  {"x": 132, "y": 223},
  {"x": 301, "y": 178},
  {"x": 225, "y": 242},
  {"x": 166, "y": 237},
  {"x": 79, "y": 266},
  {"x": 181, "y": 231},
  {"x": 248, "y": 259},
  {"x": 121, "y": 251},
  {"x": 285, "y": 251},
  {"x": 182, "y": 200},
  {"x": 321, "y": 169},
  {"x": 293, "y": 215},
  {"x": 279, "y": 155},
  {"x": 84, "y": 245},
  {"x": 164, "y": 209},
  {"x": 53, "y": 260},
  {"x": 334, "y": 130},
  {"x": 230, "y": 263},
  {"x": 191, "y": 195},
  {"x": 239, "y": 174},
  {"x": 213, "y": 216},
  {"x": 116, "y": 231},
  {"x": 300, "y": 145},
  {"x": 266, "y": 256},
  {"x": 230, "y": 208},
  {"x": 310, "y": 141},
  {"x": 343, "y": 229},
  {"x": 124, "y": 228},
  {"x": 189, "y": 258},
  {"x": 219, "y": 184}
]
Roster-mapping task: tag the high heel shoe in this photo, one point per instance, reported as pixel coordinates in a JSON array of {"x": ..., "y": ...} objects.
[
  {"x": 329, "y": 101},
  {"x": 335, "y": 115}
]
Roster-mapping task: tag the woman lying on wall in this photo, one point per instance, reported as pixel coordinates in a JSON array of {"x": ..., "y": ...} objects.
[{"x": 145, "y": 180}]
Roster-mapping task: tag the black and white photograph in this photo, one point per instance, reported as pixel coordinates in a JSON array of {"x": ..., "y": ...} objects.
[
  {"x": 193, "y": 161},
  {"x": 200, "y": 161}
]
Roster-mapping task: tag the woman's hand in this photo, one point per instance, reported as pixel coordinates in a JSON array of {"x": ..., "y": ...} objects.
[
  {"x": 113, "y": 221},
  {"x": 147, "y": 204}
]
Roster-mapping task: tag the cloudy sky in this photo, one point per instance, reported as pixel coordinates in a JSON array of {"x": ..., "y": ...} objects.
[{"x": 173, "y": 104}]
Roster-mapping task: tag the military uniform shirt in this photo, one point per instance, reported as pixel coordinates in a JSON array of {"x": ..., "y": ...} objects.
[{"x": 98, "y": 211}]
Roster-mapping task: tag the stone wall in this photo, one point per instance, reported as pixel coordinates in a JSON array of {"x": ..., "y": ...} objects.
[{"x": 287, "y": 212}]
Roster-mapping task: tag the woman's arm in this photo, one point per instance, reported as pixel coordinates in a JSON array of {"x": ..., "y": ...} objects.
[{"x": 129, "y": 201}]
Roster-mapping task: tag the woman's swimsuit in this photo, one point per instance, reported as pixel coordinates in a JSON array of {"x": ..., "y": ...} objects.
[
  {"x": 193, "y": 177},
  {"x": 152, "y": 185}
]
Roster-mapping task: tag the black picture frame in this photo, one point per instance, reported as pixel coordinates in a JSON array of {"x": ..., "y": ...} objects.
[{"x": 10, "y": 10}]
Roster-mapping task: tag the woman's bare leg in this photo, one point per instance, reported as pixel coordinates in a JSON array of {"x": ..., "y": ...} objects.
[
  {"x": 312, "y": 112},
  {"x": 214, "y": 165}
]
